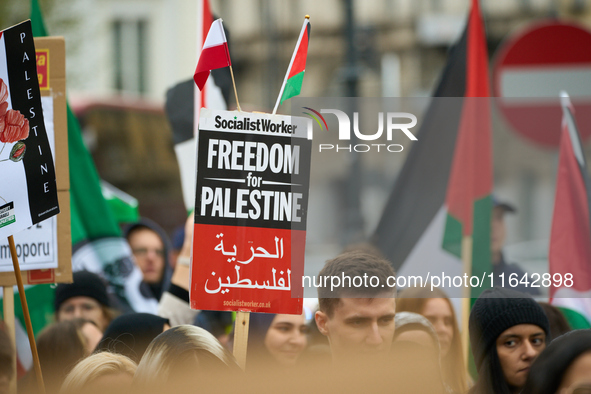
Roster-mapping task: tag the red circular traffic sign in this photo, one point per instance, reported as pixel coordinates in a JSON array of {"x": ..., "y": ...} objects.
[{"x": 532, "y": 68}]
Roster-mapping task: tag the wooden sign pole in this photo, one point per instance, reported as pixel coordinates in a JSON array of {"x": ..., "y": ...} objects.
[
  {"x": 9, "y": 321},
  {"x": 467, "y": 300},
  {"x": 241, "y": 337},
  {"x": 21, "y": 294}
]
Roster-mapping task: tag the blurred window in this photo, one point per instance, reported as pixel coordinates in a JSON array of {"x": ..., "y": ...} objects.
[{"x": 130, "y": 55}]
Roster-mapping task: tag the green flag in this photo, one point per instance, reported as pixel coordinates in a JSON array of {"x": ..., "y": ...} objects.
[
  {"x": 123, "y": 206},
  {"x": 37, "y": 24},
  {"x": 97, "y": 244},
  {"x": 91, "y": 216},
  {"x": 292, "y": 84}
]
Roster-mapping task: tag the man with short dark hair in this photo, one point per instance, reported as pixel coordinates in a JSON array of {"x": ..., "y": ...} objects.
[{"x": 356, "y": 312}]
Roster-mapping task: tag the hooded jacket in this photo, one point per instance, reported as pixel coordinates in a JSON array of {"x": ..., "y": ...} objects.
[{"x": 157, "y": 289}]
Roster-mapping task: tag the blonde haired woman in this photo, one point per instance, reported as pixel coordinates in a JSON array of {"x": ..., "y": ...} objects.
[
  {"x": 100, "y": 373},
  {"x": 183, "y": 354},
  {"x": 437, "y": 308}
]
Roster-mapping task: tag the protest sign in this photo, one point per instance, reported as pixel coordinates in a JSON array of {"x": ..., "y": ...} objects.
[
  {"x": 36, "y": 247},
  {"x": 28, "y": 189},
  {"x": 44, "y": 249},
  {"x": 251, "y": 202}
]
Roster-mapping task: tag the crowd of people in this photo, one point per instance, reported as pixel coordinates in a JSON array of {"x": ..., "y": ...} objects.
[{"x": 360, "y": 339}]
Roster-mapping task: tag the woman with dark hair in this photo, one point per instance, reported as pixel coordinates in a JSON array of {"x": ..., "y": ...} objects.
[
  {"x": 60, "y": 346},
  {"x": 131, "y": 334},
  {"x": 508, "y": 331},
  {"x": 558, "y": 323},
  {"x": 563, "y": 366},
  {"x": 437, "y": 308},
  {"x": 276, "y": 340}
]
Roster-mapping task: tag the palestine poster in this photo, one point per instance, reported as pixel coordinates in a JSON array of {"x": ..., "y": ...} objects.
[
  {"x": 253, "y": 173},
  {"x": 28, "y": 191}
]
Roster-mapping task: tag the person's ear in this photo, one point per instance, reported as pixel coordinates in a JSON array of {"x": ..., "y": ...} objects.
[{"x": 321, "y": 320}]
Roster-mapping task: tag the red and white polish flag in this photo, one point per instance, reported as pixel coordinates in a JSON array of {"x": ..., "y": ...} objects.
[{"x": 214, "y": 55}]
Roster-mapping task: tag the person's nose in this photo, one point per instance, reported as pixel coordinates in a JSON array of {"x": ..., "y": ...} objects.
[
  {"x": 78, "y": 312},
  {"x": 529, "y": 351},
  {"x": 373, "y": 336},
  {"x": 298, "y": 339},
  {"x": 152, "y": 254},
  {"x": 439, "y": 327}
]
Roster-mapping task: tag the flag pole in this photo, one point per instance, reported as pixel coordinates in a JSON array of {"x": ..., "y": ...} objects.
[
  {"x": 25, "y": 307},
  {"x": 235, "y": 91},
  {"x": 231, "y": 71},
  {"x": 287, "y": 73},
  {"x": 466, "y": 300}
]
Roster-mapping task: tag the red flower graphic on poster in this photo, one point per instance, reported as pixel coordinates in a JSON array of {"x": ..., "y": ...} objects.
[
  {"x": 3, "y": 96},
  {"x": 13, "y": 126},
  {"x": 16, "y": 127}
]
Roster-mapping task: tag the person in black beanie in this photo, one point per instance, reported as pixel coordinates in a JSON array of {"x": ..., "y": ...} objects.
[
  {"x": 86, "y": 297},
  {"x": 508, "y": 331}
]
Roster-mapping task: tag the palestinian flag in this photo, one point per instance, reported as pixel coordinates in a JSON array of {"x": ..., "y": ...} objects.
[
  {"x": 445, "y": 183},
  {"x": 570, "y": 238},
  {"x": 292, "y": 85},
  {"x": 468, "y": 199}
]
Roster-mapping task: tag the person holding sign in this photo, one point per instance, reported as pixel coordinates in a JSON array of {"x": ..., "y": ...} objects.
[{"x": 358, "y": 320}]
